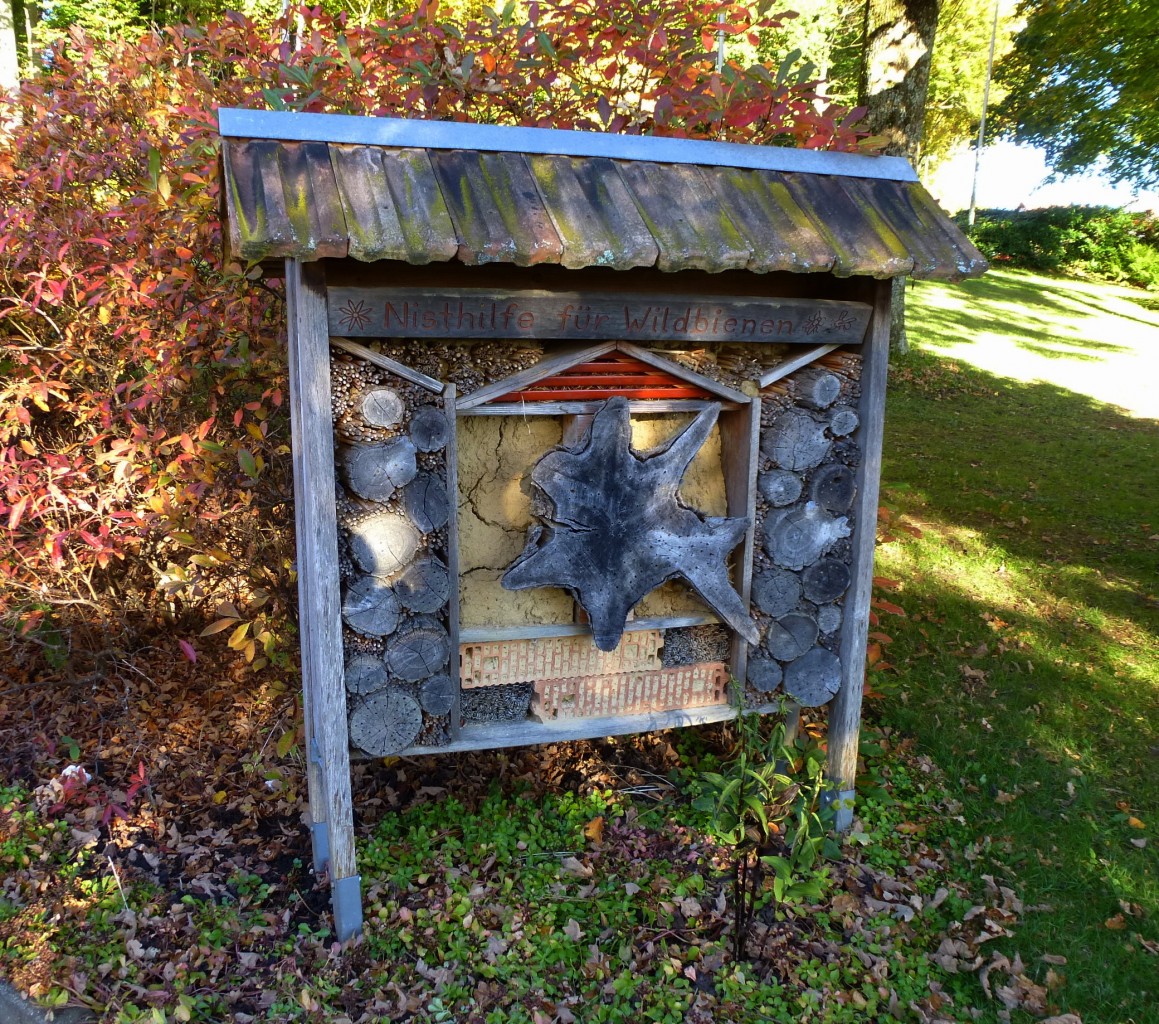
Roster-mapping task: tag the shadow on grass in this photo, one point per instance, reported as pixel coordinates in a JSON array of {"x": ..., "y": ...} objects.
[
  {"x": 993, "y": 304},
  {"x": 1028, "y": 665}
]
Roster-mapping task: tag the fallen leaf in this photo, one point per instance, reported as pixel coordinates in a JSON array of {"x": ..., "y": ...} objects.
[
  {"x": 594, "y": 829},
  {"x": 572, "y": 866},
  {"x": 1066, "y": 1018},
  {"x": 1139, "y": 843},
  {"x": 1135, "y": 823},
  {"x": 572, "y": 930},
  {"x": 1116, "y": 923},
  {"x": 1005, "y": 798},
  {"x": 631, "y": 888},
  {"x": 1053, "y": 958}
]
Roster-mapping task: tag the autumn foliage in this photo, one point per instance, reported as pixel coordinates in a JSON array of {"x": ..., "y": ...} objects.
[{"x": 143, "y": 428}]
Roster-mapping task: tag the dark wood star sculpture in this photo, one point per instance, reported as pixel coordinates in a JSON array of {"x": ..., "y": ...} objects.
[{"x": 614, "y": 527}]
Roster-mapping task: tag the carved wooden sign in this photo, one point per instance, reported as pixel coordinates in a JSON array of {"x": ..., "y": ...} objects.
[{"x": 516, "y": 314}]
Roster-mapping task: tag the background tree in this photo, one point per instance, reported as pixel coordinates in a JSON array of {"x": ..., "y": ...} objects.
[
  {"x": 1083, "y": 84},
  {"x": 898, "y": 42},
  {"x": 958, "y": 75}
]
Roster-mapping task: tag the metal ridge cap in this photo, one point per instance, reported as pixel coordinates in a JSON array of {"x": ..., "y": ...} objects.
[{"x": 415, "y": 133}]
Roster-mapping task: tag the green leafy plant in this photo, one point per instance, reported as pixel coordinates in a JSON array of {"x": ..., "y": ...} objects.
[{"x": 766, "y": 806}]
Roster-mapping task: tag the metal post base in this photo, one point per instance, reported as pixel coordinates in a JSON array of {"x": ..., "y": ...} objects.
[
  {"x": 320, "y": 841},
  {"x": 346, "y": 899},
  {"x": 842, "y": 802}
]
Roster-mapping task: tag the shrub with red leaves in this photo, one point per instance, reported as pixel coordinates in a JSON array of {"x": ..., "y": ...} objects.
[{"x": 143, "y": 433}]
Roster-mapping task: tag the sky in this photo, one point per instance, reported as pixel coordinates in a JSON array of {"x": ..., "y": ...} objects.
[{"x": 1012, "y": 175}]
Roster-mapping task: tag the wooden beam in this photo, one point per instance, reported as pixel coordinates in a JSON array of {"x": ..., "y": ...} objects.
[
  {"x": 435, "y": 387},
  {"x": 845, "y": 710},
  {"x": 582, "y": 408},
  {"x": 452, "y": 452},
  {"x": 526, "y": 732},
  {"x": 740, "y": 438},
  {"x": 794, "y": 363},
  {"x": 319, "y": 597},
  {"x": 545, "y": 368},
  {"x": 673, "y": 368}
]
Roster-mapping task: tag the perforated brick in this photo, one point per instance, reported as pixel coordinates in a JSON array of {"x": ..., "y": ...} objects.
[
  {"x": 627, "y": 693},
  {"x": 499, "y": 662}
]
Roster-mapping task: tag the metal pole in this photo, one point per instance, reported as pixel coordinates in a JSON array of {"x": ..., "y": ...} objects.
[
  {"x": 982, "y": 122},
  {"x": 720, "y": 44}
]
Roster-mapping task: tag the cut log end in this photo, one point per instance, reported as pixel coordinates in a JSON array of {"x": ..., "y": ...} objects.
[
  {"x": 792, "y": 636},
  {"x": 426, "y": 504},
  {"x": 429, "y": 429},
  {"x": 776, "y": 592},
  {"x": 382, "y": 407},
  {"x": 419, "y": 652},
  {"x": 834, "y": 487},
  {"x": 385, "y": 722},
  {"x": 438, "y": 694},
  {"x": 376, "y": 471},
  {"x": 424, "y": 585},
  {"x": 814, "y": 678},
  {"x": 799, "y": 537},
  {"x": 764, "y": 674},
  {"x": 796, "y": 441},
  {"x": 370, "y": 607},
  {"x": 825, "y": 580},
  {"x": 817, "y": 387},
  {"x": 383, "y": 544},
  {"x": 779, "y": 487},
  {"x": 365, "y": 673}
]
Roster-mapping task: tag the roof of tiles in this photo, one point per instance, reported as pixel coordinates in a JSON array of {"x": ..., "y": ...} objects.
[{"x": 315, "y": 186}]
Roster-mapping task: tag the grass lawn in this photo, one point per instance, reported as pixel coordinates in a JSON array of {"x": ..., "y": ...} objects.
[{"x": 1027, "y": 666}]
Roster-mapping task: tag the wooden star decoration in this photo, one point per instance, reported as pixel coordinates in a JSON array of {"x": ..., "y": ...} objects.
[{"x": 615, "y": 528}]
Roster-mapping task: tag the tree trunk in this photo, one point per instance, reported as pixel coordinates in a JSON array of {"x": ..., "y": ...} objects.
[
  {"x": 895, "y": 79},
  {"x": 9, "y": 58}
]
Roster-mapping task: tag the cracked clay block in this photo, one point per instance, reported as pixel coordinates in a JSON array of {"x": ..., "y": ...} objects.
[{"x": 495, "y": 453}]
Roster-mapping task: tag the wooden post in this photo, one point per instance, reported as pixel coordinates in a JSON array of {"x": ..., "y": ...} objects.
[
  {"x": 740, "y": 434},
  {"x": 845, "y": 711},
  {"x": 319, "y": 598}
]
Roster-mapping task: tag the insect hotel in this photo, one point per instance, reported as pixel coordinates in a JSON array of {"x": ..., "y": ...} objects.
[{"x": 587, "y": 429}]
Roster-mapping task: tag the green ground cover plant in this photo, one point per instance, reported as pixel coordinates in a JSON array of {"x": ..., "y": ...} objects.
[{"x": 1028, "y": 657}]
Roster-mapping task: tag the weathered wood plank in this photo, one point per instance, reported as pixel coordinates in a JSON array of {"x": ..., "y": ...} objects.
[
  {"x": 845, "y": 711},
  {"x": 586, "y": 408},
  {"x": 675, "y": 369},
  {"x": 795, "y": 363},
  {"x": 435, "y": 387},
  {"x": 572, "y": 315},
  {"x": 525, "y": 733},
  {"x": 453, "y": 628},
  {"x": 740, "y": 437},
  {"x": 545, "y": 368},
  {"x": 320, "y": 600}
]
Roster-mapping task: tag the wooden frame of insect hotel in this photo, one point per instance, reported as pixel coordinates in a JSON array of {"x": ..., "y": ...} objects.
[{"x": 587, "y": 429}]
